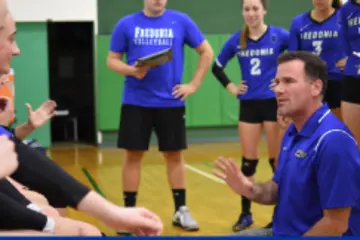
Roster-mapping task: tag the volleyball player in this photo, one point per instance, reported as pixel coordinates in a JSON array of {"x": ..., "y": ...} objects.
[
  {"x": 350, "y": 30},
  {"x": 257, "y": 47},
  {"x": 318, "y": 31}
]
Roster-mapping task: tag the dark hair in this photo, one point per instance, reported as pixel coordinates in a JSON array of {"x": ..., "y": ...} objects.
[
  {"x": 315, "y": 68},
  {"x": 245, "y": 32},
  {"x": 336, "y": 4}
]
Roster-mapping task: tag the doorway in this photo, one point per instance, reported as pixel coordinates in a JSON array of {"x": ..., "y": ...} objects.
[{"x": 71, "y": 74}]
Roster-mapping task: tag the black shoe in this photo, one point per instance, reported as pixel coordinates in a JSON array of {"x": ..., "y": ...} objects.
[
  {"x": 269, "y": 225},
  {"x": 244, "y": 222}
]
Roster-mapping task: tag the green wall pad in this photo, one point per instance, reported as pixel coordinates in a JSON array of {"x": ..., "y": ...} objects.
[
  {"x": 212, "y": 16},
  {"x": 31, "y": 74}
]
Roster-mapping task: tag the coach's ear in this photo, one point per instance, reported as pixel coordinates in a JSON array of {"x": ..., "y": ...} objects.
[{"x": 316, "y": 88}]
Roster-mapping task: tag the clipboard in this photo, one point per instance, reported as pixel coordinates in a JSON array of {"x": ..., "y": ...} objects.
[{"x": 155, "y": 59}]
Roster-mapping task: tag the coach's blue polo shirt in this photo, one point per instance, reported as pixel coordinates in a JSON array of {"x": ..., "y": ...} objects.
[{"x": 319, "y": 168}]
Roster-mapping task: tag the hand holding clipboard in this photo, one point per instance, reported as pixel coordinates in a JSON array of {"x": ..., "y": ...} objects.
[
  {"x": 155, "y": 59},
  {"x": 144, "y": 64}
]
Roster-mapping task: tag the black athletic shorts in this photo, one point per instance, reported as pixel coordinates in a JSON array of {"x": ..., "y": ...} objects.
[
  {"x": 137, "y": 123},
  {"x": 333, "y": 94},
  {"x": 258, "y": 111},
  {"x": 351, "y": 89}
]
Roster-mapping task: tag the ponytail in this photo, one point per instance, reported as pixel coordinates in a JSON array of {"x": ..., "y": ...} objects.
[
  {"x": 337, "y": 4},
  {"x": 246, "y": 32},
  {"x": 244, "y": 37}
]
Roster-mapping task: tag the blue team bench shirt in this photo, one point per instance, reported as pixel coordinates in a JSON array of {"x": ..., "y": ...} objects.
[
  {"x": 321, "y": 38},
  {"x": 319, "y": 168},
  {"x": 258, "y": 62},
  {"x": 350, "y": 30},
  {"x": 138, "y": 35}
]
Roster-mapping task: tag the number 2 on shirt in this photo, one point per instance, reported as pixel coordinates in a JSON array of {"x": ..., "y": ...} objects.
[{"x": 255, "y": 66}]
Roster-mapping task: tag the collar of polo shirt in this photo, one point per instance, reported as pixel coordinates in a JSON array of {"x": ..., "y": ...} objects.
[{"x": 312, "y": 123}]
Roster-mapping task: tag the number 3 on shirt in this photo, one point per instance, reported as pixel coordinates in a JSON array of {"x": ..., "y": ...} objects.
[
  {"x": 255, "y": 66},
  {"x": 318, "y": 47}
]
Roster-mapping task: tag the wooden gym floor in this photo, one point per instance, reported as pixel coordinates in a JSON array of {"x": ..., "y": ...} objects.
[{"x": 211, "y": 202}]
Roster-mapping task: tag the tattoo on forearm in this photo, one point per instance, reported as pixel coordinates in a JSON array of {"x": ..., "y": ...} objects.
[{"x": 265, "y": 193}]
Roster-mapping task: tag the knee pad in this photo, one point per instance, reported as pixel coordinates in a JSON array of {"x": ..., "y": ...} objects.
[{"x": 248, "y": 167}]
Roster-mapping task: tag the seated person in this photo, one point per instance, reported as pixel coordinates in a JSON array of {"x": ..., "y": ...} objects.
[{"x": 42, "y": 175}]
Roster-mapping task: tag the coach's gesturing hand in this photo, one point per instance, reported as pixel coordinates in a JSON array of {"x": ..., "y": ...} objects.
[{"x": 233, "y": 176}]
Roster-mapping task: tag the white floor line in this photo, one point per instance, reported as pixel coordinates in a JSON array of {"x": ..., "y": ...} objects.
[{"x": 205, "y": 174}]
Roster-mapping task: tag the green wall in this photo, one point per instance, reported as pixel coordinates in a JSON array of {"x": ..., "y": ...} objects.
[
  {"x": 31, "y": 74},
  {"x": 211, "y": 105},
  {"x": 212, "y": 16}
]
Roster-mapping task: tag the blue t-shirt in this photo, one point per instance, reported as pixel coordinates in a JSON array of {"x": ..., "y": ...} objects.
[
  {"x": 258, "y": 61},
  {"x": 320, "y": 38},
  {"x": 318, "y": 169},
  {"x": 138, "y": 35},
  {"x": 350, "y": 30}
]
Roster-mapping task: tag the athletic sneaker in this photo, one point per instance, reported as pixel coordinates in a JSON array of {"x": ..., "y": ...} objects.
[
  {"x": 244, "y": 222},
  {"x": 183, "y": 219}
]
